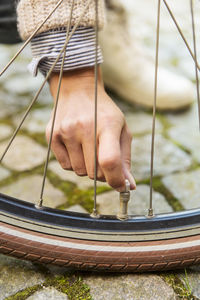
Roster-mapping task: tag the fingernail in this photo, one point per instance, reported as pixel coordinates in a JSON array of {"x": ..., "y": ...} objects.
[
  {"x": 121, "y": 189},
  {"x": 129, "y": 176},
  {"x": 132, "y": 182}
]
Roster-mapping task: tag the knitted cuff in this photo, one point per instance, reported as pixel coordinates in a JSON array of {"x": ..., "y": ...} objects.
[
  {"x": 31, "y": 13},
  {"x": 80, "y": 51}
]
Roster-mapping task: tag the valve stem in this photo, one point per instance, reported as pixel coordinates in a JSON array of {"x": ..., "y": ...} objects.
[{"x": 124, "y": 199}]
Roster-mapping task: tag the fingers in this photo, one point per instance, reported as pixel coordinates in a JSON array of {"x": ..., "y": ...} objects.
[
  {"x": 110, "y": 159},
  {"x": 61, "y": 154},
  {"x": 125, "y": 142},
  {"x": 114, "y": 156},
  {"x": 76, "y": 156},
  {"x": 59, "y": 150},
  {"x": 88, "y": 151}
]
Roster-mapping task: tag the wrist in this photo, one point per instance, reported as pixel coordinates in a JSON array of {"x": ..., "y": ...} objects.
[{"x": 75, "y": 81}]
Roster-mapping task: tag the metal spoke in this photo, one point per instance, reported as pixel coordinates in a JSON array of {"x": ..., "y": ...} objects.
[
  {"x": 32, "y": 103},
  {"x": 195, "y": 55},
  {"x": 30, "y": 38},
  {"x": 56, "y": 106},
  {"x": 42, "y": 85},
  {"x": 68, "y": 37},
  {"x": 150, "y": 210},
  {"x": 95, "y": 214},
  {"x": 30, "y": 106},
  {"x": 181, "y": 33}
]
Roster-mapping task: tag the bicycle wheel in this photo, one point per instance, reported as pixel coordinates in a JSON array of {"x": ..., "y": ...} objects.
[
  {"x": 105, "y": 243},
  {"x": 80, "y": 241}
]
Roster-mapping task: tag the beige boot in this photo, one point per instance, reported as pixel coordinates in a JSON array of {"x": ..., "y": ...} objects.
[{"x": 130, "y": 73}]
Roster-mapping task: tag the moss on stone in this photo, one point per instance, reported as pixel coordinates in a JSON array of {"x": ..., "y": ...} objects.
[
  {"x": 37, "y": 137},
  {"x": 179, "y": 145},
  {"x": 22, "y": 295},
  {"x": 83, "y": 198},
  {"x": 75, "y": 195},
  {"x": 163, "y": 120},
  {"x": 64, "y": 186},
  {"x": 159, "y": 187},
  {"x": 7, "y": 121},
  {"x": 70, "y": 284},
  {"x": 15, "y": 175},
  {"x": 173, "y": 201},
  {"x": 194, "y": 166},
  {"x": 179, "y": 288}
]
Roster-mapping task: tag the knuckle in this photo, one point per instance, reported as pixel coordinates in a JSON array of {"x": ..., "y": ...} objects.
[
  {"x": 55, "y": 134},
  {"x": 85, "y": 122},
  {"x": 67, "y": 129}
]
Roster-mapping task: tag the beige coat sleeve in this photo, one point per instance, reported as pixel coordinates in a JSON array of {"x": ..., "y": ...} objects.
[{"x": 31, "y": 13}]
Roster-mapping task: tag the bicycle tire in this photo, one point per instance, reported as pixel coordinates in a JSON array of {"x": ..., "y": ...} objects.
[{"x": 77, "y": 241}]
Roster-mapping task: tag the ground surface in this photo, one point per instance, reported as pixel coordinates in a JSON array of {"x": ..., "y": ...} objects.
[{"x": 176, "y": 186}]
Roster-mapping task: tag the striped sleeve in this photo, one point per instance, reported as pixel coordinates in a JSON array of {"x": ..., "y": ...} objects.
[{"x": 80, "y": 51}]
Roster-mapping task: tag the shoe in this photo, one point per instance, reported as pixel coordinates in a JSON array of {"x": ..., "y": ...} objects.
[{"x": 129, "y": 72}]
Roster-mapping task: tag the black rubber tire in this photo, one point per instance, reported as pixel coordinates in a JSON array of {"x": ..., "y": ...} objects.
[{"x": 76, "y": 240}]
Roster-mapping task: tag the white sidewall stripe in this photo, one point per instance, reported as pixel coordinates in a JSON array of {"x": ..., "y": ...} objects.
[{"x": 104, "y": 248}]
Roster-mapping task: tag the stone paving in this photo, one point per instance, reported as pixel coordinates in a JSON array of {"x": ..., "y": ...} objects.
[{"x": 177, "y": 169}]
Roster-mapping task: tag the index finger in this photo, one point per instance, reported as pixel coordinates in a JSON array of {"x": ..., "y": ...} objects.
[{"x": 110, "y": 159}]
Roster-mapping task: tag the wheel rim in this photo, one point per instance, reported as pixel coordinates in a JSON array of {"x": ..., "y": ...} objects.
[{"x": 104, "y": 228}]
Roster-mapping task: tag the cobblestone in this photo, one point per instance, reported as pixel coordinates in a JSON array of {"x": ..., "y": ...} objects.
[
  {"x": 5, "y": 131},
  {"x": 81, "y": 182},
  {"x": 141, "y": 123},
  {"x": 7, "y": 107},
  {"x": 4, "y": 173},
  {"x": 129, "y": 287},
  {"x": 185, "y": 130},
  {"x": 14, "y": 84},
  {"x": 77, "y": 208},
  {"x": 16, "y": 275},
  {"x": 48, "y": 294},
  {"x": 189, "y": 137},
  {"x": 36, "y": 121},
  {"x": 138, "y": 204},
  {"x": 185, "y": 187},
  {"x": 23, "y": 154},
  {"x": 167, "y": 157},
  {"x": 28, "y": 189}
]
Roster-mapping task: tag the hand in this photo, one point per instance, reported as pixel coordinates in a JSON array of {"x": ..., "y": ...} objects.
[{"x": 73, "y": 137}]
